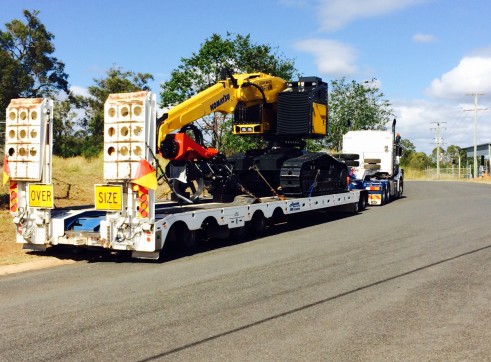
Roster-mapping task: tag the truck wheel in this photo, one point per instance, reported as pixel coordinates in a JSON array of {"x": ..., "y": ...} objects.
[
  {"x": 401, "y": 188},
  {"x": 362, "y": 203},
  {"x": 383, "y": 200}
]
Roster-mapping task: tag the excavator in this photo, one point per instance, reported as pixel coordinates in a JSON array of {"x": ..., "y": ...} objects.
[{"x": 283, "y": 113}]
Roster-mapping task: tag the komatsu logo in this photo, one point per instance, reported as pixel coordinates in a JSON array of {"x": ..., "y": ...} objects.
[{"x": 218, "y": 103}]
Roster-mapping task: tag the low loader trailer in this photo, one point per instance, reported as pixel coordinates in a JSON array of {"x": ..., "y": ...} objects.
[{"x": 126, "y": 215}]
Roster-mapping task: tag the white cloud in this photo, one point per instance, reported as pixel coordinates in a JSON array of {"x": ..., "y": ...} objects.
[
  {"x": 331, "y": 57},
  {"x": 79, "y": 91},
  {"x": 417, "y": 120},
  {"x": 335, "y": 14},
  {"x": 424, "y": 38},
  {"x": 471, "y": 75}
]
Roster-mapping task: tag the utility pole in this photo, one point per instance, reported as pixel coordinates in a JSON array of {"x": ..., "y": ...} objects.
[
  {"x": 475, "y": 95},
  {"x": 438, "y": 144}
]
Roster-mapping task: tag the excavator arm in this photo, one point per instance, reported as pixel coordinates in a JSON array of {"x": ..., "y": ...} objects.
[{"x": 239, "y": 92}]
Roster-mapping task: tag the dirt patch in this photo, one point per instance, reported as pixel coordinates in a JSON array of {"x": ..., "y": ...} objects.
[{"x": 38, "y": 263}]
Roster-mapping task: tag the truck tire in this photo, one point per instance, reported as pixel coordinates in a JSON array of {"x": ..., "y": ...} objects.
[
  {"x": 372, "y": 160},
  {"x": 401, "y": 188},
  {"x": 363, "y": 202}
]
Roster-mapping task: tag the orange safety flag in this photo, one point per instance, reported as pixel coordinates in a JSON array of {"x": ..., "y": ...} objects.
[
  {"x": 6, "y": 170},
  {"x": 146, "y": 176}
]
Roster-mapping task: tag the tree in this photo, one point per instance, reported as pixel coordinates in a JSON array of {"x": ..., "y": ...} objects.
[
  {"x": 408, "y": 149},
  {"x": 455, "y": 154},
  {"x": 27, "y": 66},
  {"x": 438, "y": 154},
  {"x": 355, "y": 106},
  {"x": 116, "y": 81},
  {"x": 67, "y": 141},
  {"x": 419, "y": 161},
  {"x": 202, "y": 70}
]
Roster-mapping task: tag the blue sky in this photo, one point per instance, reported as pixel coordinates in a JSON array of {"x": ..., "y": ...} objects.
[{"x": 427, "y": 55}]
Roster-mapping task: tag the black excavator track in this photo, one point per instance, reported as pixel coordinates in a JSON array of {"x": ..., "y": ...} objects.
[{"x": 313, "y": 174}]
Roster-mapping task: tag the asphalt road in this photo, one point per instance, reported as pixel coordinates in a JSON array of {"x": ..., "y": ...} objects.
[{"x": 408, "y": 281}]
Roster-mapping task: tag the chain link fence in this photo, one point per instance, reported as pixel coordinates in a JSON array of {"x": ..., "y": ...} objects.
[{"x": 453, "y": 173}]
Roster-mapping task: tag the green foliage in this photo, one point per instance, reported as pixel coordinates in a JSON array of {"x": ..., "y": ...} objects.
[
  {"x": 408, "y": 149},
  {"x": 355, "y": 106},
  {"x": 454, "y": 153},
  {"x": 419, "y": 161},
  {"x": 438, "y": 154},
  {"x": 27, "y": 67},
  {"x": 68, "y": 143},
  {"x": 232, "y": 144},
  {"x": 116, "y": 81},
  {"x": 202, "y": 70}
]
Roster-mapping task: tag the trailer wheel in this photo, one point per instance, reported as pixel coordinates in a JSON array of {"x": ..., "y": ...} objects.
[
  {"x": 188, "y": 240},
  {"x": 182, "y": 238},
  {"x": 257, "y": 223},
  {"x": 356, "y": 207}
]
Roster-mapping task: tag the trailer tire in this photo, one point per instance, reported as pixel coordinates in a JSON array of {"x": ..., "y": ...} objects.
[
  {"x": 189, "y": 240},
  {"x": 356, "y": 207},
  {"x": 182, "y": 238},
  {"x": 257, "y": 224}
]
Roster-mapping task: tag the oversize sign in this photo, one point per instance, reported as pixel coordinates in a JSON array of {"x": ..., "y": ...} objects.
[
  {"x": 108, "y": 197},
  {"x": 41, "y": 196}
]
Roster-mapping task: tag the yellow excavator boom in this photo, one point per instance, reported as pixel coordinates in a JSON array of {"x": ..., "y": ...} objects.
[{"x": 222, "y": 97}]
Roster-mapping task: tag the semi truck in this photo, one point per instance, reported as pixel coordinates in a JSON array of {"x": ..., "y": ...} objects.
[
  {"x": 126, "y": 216},
  {"x": 374, "y": 158}
]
